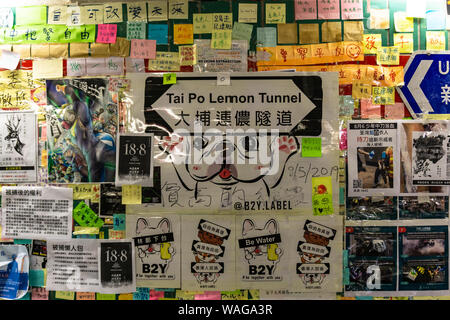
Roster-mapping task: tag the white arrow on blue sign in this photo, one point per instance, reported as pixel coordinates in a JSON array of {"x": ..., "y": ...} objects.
[{"x": 427, "y": 83}]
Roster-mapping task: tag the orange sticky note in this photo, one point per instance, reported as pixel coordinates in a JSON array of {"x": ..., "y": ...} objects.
[
  {"x": 143, "y": 49},
  {"x": 183, "y": 34},
  {"x": 369, "y": 110}
]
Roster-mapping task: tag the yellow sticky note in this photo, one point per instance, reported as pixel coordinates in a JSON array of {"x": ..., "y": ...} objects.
[
  {"x": 105, "y": 296},
  {"x": 248, "y": 13},
  {"x": 86, "y": 191},
  {"x": 404, "y": 41},
  {"x": 127, "y": 296},
  {"x": 275, "y": 13},
  {"x": 157, "y": 10},
  {"x": 435, "y": 40},
  {"x": 222, "y": 21},
  {"x": 112, "y": 12},
  {"x": 361, "y": 90},
  {"x": 322, "y": 196},
  {"x": 169, "y": 78},
  {"x": 131, "y": 194},
  {"x": 353, "y": 30},
  {"x": 187, "y": 55},
  {"x": 331, "y": 31},
  {"x": 308, "y": 33},
  {"x": 383, "y": 95},
  {"x": 203, "y": 23},
  {"x": 402, "y": 22},
  {"x": 183, "y": 34},
  {"x": 371, "y": 43},
  {"x": 221, "y": 39},
  {"x": 65, "y": 295},
  {"x": 85, "y": 230},
  {"x": 47, "y": 68},
  {"x": 388, "y": 55},
  {"x": 379, "y": 19}
]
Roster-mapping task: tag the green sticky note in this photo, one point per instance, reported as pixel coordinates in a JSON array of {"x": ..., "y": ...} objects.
[
  {"x": 105, "y": 296},
  {"x": 311, "y": 147},
  {"x": 22, "y": 241},
  {"x": 31, "y": 15},
  {"x": 169, "y": 78},
  {"x": 342, "y": 196},
  {"x": 119, "y": 221},
  {"x": 346, "y": 276},
  {"x": 242, "y": 31},
  {"x": 86, "y": 217},
  {"x": 345, "y": 257},
  {"x": 37, "y": 278},
  {"x": 322, "y": 196}
]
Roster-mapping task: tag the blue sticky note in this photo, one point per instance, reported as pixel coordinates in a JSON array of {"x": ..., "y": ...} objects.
[
  {"x": 364, "y": 298},
  {"x": 37, "y": 278},
  {"x": 436, "y": 20},
  {"x": 341, "y": 196},
  {"x": 266, "y": 37},
  {"x": 346, "y": 276},
  {"x": 141, "y": 294},
  {"x": 119, "y": 221},
  {"x": 158, "y": 32},
  {"x": 22, "y": 241},
  {"x": 345, "y": 257}
]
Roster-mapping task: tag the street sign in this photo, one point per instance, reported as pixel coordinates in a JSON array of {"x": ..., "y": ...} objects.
[{"x": 427, "y": 83}]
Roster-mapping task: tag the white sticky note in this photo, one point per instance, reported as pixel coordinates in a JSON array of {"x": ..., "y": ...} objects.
[
  {"x": 47, "y": 68},
  {"x": 9, "y": 60},
  {"x": 76, "y": 67},
  {"x": 95, "y": 66},
  {"x": 114, "y": 66},
  {"x": 135, "y": 65}
]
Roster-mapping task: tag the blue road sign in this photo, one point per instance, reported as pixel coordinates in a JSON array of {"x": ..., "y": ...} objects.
[{"x": 427, "y": 83}]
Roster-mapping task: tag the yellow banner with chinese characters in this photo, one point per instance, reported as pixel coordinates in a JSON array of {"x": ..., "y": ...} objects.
[
  {"x": 348, "y": 73},
  {"x": 18, "y": 79},
  {"x": 165, "y": 61},
  {"x": 344, "y": 51}
]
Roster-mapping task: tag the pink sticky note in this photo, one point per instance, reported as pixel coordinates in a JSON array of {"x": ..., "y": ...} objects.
[
  {"x": 143, "y": 49},
  {"x": 328, "y": 9},
  {"x": 343, "y": 139},
  {"x": 369, "y": 110},
  {"x": 44, "y": 132},
  {"x": 352, "y": 10},
  {"x": 394, "y": 111},
  {"x": 39, "y": 294},
  {"x": 106, "y": 33},
  {"x": 208, "y": 295},
  {"x": 305, "y": 9},
  {"x": 155, "y": 295}
]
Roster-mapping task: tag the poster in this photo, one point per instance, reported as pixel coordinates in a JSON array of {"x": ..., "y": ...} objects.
[
  {"x": 135, "y": 160},
  {"x": 14, "y": 269},
  {"x": 116, "y": 266},
  {"x": 18, "y": 147},
  {"x": 208, "y": 253},
  {"x": 262, "y": 257},
  {"x": 373, "y": 158},
  {"x": 111, "y": 200},
  {"x": 260, "y": 120},
  {"x": 47, "y": 210},
  {"x": 316, "y": 260},
  {"x": 218, "y": 60},
  {"x": 82, "y": 122},
  {"x": 158, "y": 249}
]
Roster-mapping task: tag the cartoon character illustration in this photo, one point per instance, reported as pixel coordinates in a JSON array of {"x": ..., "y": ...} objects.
[
  {"x": 165, "y": 250},
  {"x": 264, "y": 253},
  {"x": 13, "y": 138}
]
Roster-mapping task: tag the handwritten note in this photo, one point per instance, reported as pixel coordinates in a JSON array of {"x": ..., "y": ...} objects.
[
  {"x": 404, "y": 41},
  {"x": 137, "y": 11},
  {"x": 435, "y": 40},
  {"x": 65, "y": 295},
  {"x": 203, "y": 23},
  {"x": 141, "y": 294},
  {"x": 351, "y": 9},
  {"x": 388, "y": 55},
  {"x": 92, "y": 14},
  {"x": 248, "y": 13},
  {"x": 136, "y": 30},
  {"x": 76, "y": 67},
  {"x": 183, "y": 34},
  {"x": 379, "y": 19},
  {"x": 370, "y": 110},
  {"x": 209, "y": 295},
  {"x": 85, "y": 295},
  {"x": 132, "y": 194},
  {"x": 114, "y": 65},
  {"x": 266, "y": 37},
  {"x": 135, "y": 65},
  {"x": 362, "y": 89},
  {"x": 383, "y": 95},
  {"x": 305, "y": 9},
  {"x": 394, "y": 111},
  {"x": 73, "y": 16},
  {"x": 222, "y": 21},
  {"x": 57, "y": 15},
  {"x": 402, "y": 23},
  {"x": 106, "y": 33},
  {"x": 328, "y": 9},
  {"x": 156, "y": 295},
  {"x": 242, "y": 31},
  {"x": 221, "y": 39},
  {"x": 112, "y": 12},
  {"x": 48, "y": 68},
  {"x": 144, "y": 49},
  {"x": 119, "y": 221},
  {"x": 158, "y": 32},
  {"x": 169, "y": 78},
  {"x": 187, "y": 55},
  {"x": 85, "y": 216},
  {"x": 95, "y": 66},
  {"x": 157, "y": 10},
  {"x": 275, "y": 13},
  {"x": 311, "y": 147},
  {"x": 371, "y": 43},
  {"x": 178, "y": 9}
]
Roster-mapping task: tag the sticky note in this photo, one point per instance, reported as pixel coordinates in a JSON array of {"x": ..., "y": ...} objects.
[
  {"x": 435, "y": 40},
  {"x": 131, "y": 194},
  {"x": 322, "y": 196},
  {"x": 308, "y": 33},
  {"x": 209, "y": 295},
  {"x": 31, "y": 15},
  {"x": 135, "y": 65},
  {"x": 248, "y": 13},
  {"x": 37, "y": 278},
  {"x": 266, "y": 37},
  {"x": 137, "y": 11},
  {"x": 65, "y": 295},
  {"x": 287, "y": 33},
  {"x": 275, "y": 13},
  {"x": 379, "y": 19},
  {"x": 156, "y": 295},
  {"x": 92, "y": 14},
  {"x": 183, "y": 34},
  {"x": 178, "y": 9},
  {"x": 73, "y": 15},
  {"x": 305, "y": 9},
  {"x": 141, "y": 294},
  {"x": 222, "y": 21},
  {"x": 57, "y": 15},
  {"x": 242, "y": 31},
  {"x": 116, "y": 234},
  {"x": 169, "y": 78},
  {"x": 371, "y": 42},
  {"x": 59, "y": 50},
  {"x": 311, "y": 147},
  {"x": 9, "y": 60},
  {"x": 351, "y": 9},
  {"x": 362, "y": 89},
  {"x": 329, "y": 9},
  {"x": 76, "y": 67},
  {"x": 157, "y": 10},
  {"x": 85, "y": 296},
  {"x": 144, "y": 49},
  {"x": 383, "y": 95},
  {"x": 39, "y": 294},
  {"x": 121, "y": 48},
  {"x": 402, "y": 22},
  {"x": 331, "y": 31},
  {"x": 106, "y": 33},
  {"x": 187, "y": 55},
  {"x": 114, "y": 66},
  {"x": 85, "y": 216},
  {"x": 221, "y": 39},
  {"x": 112, "y": 12},
  {"x": 136, "y": 30},
  {"x": 416, "y": 9},
  {"x": 85, "y": 230},
  {"x": 436, "y": 20},
  {"x": 125, "y": 296},
  {"x": 369, "y": 110},
  {"x": 388, "y": 55},
  {"x": 404, "y": 41},
  {"x": 353, "y": 30},
  {"x": 158, "y": 32},
  {"x": 119, "y": 221},
  {"x": 98, "y": 50},
  {"x": 48, "y": 68},
  {"x": 203, "y": 23},
  {"x": 105, "y": 296},
  {"x": 347, "y": 104},
  {"x": 394, "y": 111}
]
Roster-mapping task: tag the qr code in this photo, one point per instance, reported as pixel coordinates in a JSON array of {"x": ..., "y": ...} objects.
[{"x": 357, "y": 183}]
